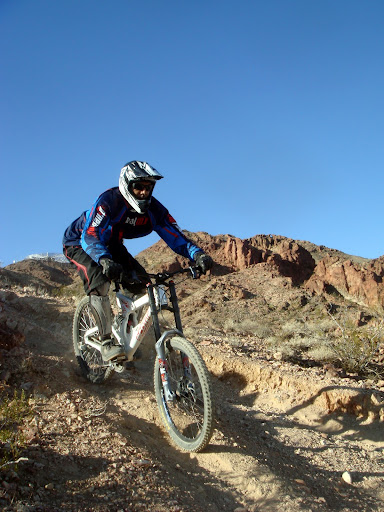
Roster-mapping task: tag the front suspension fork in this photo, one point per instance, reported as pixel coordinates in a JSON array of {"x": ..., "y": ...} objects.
[
  {"x": 169, "y": 393},
  {"x": 179, "y": 327}
]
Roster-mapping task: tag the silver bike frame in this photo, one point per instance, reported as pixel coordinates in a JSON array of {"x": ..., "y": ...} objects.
[{"x": 130, "y": 336}]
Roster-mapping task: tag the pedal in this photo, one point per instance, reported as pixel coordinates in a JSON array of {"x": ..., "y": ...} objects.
[
  {"x": 118, "y": 367},
  {"x": 113, "y": 353}
]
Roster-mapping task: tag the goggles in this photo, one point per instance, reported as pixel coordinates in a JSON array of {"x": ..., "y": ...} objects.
[{"x": 139, "y": 185}]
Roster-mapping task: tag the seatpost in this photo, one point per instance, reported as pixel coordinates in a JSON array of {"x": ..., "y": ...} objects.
[
  {"x": 155, "y": 317},
  {"x": 175, "y": 306}
]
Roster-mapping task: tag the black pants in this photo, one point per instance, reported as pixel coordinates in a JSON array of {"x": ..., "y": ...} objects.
[{"x": 91, "y": 272}]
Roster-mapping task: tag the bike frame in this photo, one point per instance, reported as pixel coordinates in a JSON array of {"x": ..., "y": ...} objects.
[{"x": 130, "y": 332}]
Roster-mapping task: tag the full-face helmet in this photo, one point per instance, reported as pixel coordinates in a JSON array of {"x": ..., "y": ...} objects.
[{"x": 134, "y": 172}]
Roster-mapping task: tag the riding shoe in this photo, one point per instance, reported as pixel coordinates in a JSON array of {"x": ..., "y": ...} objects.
[{"x": 110, "y": 351}]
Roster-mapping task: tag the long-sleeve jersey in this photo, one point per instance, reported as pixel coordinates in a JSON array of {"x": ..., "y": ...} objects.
[{"x": 110, "y": 220}]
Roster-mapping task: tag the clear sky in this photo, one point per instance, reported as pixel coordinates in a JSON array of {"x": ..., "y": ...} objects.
[{"x": 265, "y": 117}]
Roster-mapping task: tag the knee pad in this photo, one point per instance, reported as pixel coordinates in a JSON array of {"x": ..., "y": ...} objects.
[
  {"x": 102, "y": 290},
  {"x": 103, "y": 308}
]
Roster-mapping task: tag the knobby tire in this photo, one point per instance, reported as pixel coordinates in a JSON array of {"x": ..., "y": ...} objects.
[
  {"x": 189, "y": 418},
  {"x": 89, "y": 359}
]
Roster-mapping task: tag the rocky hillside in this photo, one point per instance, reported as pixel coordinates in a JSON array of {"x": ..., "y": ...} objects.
[{"x": 318, "y": 269}]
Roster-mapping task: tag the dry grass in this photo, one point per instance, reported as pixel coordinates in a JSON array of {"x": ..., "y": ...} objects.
[{"x": 13, "y": 413}]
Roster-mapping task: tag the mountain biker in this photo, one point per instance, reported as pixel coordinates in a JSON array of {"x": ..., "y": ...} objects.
[{"x": 94, "y": 241}]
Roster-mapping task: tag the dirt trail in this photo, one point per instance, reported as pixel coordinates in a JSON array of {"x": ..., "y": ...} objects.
[{"x": 275, "y": 445}]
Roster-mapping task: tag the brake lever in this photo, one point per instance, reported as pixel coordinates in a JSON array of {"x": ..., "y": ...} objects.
[{"x": 195, "y": 272}]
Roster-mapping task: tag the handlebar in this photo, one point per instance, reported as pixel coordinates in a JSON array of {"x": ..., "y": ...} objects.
[{"x": 161, "y": 277}]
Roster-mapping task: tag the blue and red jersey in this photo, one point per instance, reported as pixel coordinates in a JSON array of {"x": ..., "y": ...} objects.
[{"x": 111, "y": 220}]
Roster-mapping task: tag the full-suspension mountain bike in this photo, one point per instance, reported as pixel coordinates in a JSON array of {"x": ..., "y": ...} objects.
[{"x": 181, "y": 379}]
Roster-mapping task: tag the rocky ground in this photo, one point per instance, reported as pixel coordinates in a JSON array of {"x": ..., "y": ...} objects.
[{"x": 287, "y": 436}]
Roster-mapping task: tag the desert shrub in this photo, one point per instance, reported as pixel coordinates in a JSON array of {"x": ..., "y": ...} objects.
[
  {"x": 262, "y": 331},
  {"x": 301, "y": 346},
  {"x": 247, "y": 325},
  {"x": 13, "y": 413},
  {"x": 74, "y": 290},
  {"x": 355, "y": 347},
  {"x": 321, "y": 353},
  {"x": 301, "y": 339},
  {"x": 326, "y": 338}
]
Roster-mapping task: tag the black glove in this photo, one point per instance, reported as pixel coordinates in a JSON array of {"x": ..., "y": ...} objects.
[
  {"x": 130, "y": 277},
  {"x": 203, "y": 261},
  {"x": 111, "y": 269}
]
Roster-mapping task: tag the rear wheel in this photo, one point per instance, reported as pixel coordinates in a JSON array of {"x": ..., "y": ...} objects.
[
  {"x": 86, "y": 321},
  {"x": 188, "y": 418}
]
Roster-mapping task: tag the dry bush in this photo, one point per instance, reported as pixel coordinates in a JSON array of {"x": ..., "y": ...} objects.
[
  {"x": 299, "y": 339},
  {"x": 247, "y": 325},
  {"x": 309, "y": 339},
  {"x": 301, "y": 346},
  {"x": 75, "y": 289},
  {"x": 356, "y": 347},
  {"x": 338, "y": 340}
]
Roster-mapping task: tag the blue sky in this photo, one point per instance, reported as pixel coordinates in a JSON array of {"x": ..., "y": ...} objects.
[{"x": 265, "y": 117}]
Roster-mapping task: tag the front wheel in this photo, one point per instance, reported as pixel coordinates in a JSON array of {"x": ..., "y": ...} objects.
[
  {"x": 86, "y": 322},
  {"x": 188, "y": 418}
]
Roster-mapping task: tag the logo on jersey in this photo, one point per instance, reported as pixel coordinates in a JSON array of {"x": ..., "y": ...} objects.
[
  {"x": 137, "y": 221},
  {"x": 100, "y": 214}
]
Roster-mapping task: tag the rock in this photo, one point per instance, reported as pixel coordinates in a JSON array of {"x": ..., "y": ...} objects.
[
  {"x": 347, "y": 477},
  {"x": 377, "y": 399},
  {"x": 5, "y": 375},
  {"x": 362, "y": 283},
  {"x": 9, "y": 336},
  {"x": 143, "y": 462},
  {"x": 240, "y": 254},
  {"x": 278, "y": 356}
]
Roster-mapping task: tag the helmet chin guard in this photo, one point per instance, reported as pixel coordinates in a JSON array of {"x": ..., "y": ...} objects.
[{"x": 137, "y": 171}]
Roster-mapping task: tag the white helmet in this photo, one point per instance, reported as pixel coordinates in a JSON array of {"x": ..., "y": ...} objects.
[{"x": 137, "y": 171}]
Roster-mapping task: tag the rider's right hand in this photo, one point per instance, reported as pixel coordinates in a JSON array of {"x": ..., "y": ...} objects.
[
  {"x": 111, "y": 269},
  {"x": 130, "y": 277}
]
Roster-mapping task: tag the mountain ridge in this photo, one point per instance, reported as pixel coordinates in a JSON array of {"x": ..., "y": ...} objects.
[{"x": 317, "y": 268}]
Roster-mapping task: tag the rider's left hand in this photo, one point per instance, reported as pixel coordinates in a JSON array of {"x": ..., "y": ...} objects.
[
  {"x": 203, "y": 261},
  {"x": 130, "y": 277}
]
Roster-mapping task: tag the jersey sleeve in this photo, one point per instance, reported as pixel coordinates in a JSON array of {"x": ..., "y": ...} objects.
[
  {"x": 97, "y": 230},
  {"x": 166, "y": 227}
]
